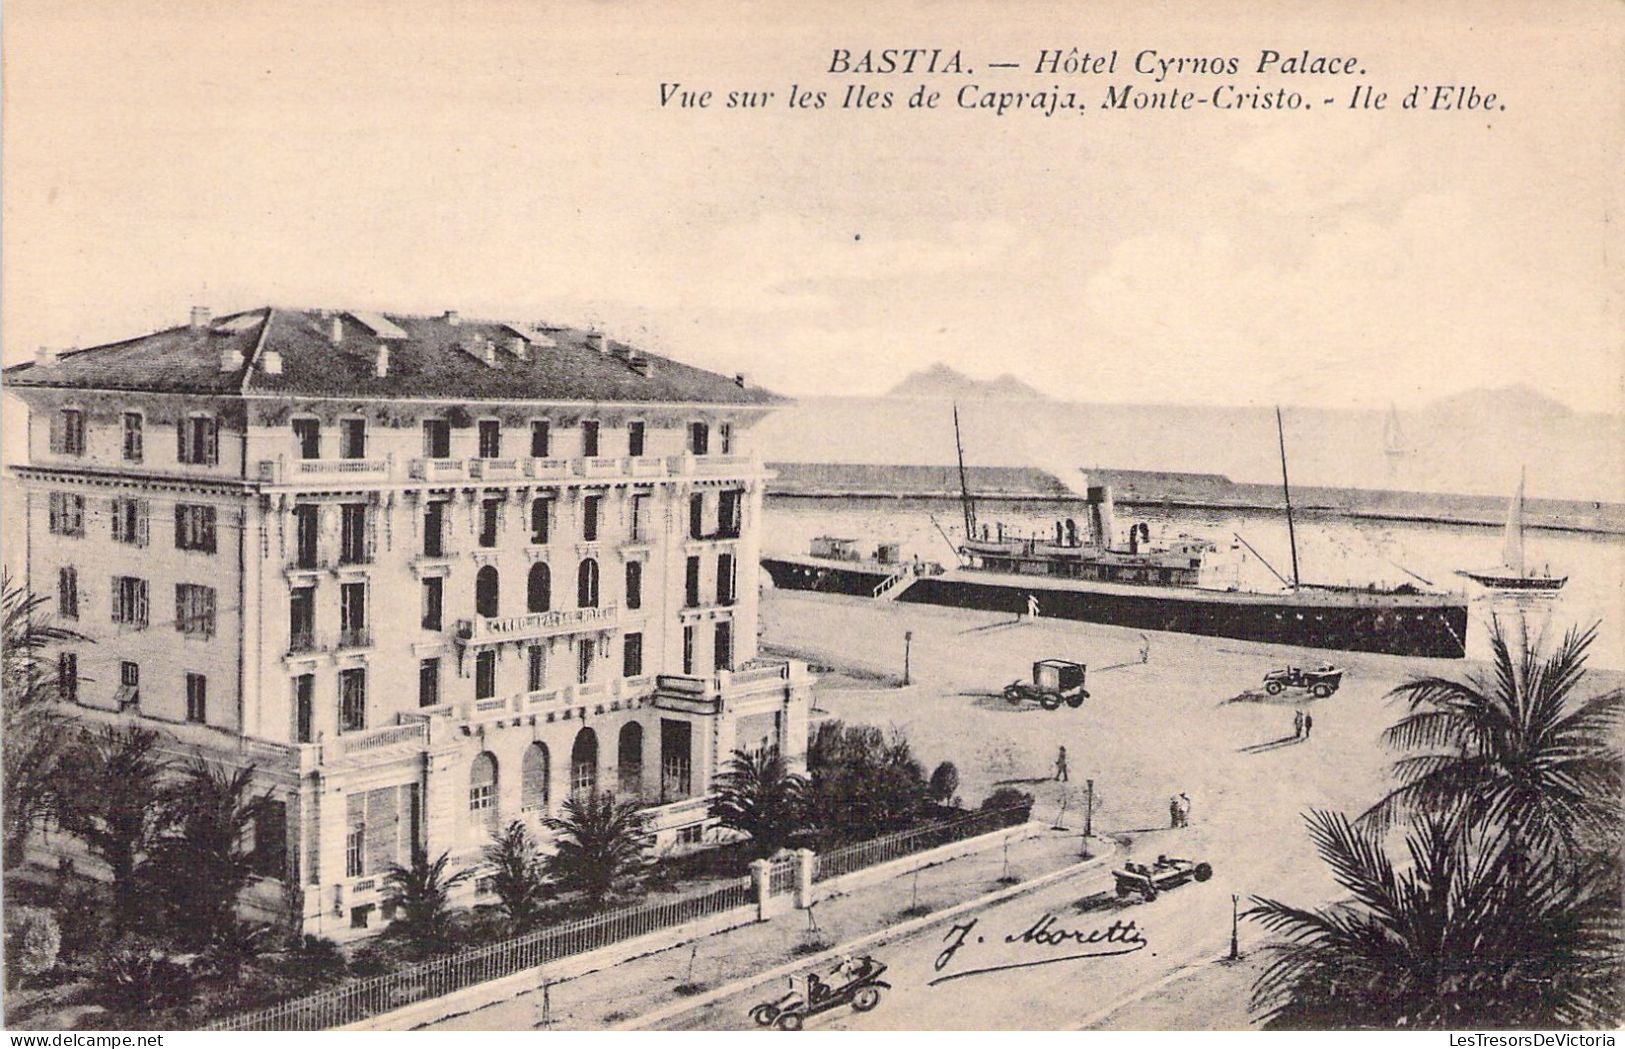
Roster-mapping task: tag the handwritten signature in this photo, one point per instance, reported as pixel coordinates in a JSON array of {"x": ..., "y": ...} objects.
[{"x": 1044, "y": 934}]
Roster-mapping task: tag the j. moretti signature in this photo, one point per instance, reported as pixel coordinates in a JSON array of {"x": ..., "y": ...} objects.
[{"x": 1045, "y": 937}]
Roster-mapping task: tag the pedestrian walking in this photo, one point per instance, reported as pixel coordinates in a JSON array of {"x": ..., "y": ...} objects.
[
  {"x": 1173, "y": 811},
  {"x": 1032, "y": 606},
  {"x": 1308, "y": 723},
  {"x": 1297, "y": 724},
  {"x": 1184, "y": 809},
  {"x": 1060, "y": 766}
]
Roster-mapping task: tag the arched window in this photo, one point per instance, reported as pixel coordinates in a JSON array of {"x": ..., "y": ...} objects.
[
  {"x": 482, "y": 790},
  {"x": 539, "y": 589},
  {"x": 584, "y": 764},
  {"x": 485, "y": 591},
  {"x": 533, "y": 773},
  {"x": 629, "y": 760},
  {"x": 587, "y": 584}
]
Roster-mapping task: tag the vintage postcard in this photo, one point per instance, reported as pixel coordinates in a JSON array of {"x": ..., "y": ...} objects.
[{"x": 921, "y": 516}]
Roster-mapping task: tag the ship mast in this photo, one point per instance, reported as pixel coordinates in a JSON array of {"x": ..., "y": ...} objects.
[
  {"x": 1286, "y": 490},
  {"x": 966, "y": 504}
]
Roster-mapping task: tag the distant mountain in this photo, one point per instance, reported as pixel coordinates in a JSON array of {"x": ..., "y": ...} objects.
[
  {"x": 1521, "y": 403},
  {"x": 942, "y": 382}
]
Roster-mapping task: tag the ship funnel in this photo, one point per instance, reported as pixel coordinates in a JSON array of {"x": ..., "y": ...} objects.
[{"x": 1102, "y": 518}]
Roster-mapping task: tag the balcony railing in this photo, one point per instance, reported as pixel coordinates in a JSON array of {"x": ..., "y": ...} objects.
[
  {"x": 599, "y": 466},
  {"x": 533, "y": 624},
  {"x": 495, "y": 469},
  {"x": 301, "y": 642},
  {"x": 373, "y": 739},
  {"x": 547, "y": 469},
  {"x": 279, "y": 471},
  {"x": 439, "y": 469},
  {"x": 357, "y": 637}
]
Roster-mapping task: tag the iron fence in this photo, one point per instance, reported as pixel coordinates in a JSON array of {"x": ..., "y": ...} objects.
[
  {"x": 359, "y": 999},
  {"x": 849, "y": 858}
]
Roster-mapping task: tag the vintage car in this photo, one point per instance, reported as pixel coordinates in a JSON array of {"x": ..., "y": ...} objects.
[
  {"x": 1320, "y": 682},
  {"x": 1167, "y": 873},
  {"x": 1055, "y": 681},
  {"x": 853, "y": 981}
]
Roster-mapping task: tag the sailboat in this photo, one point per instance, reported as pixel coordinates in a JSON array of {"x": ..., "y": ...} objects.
[{"x": 1511, "y": 575}]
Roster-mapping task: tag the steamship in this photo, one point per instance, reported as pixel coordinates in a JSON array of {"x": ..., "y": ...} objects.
[{"x": 1087, "y": 574}]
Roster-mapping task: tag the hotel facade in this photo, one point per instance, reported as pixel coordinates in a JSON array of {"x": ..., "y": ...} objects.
[{"x": 426, "y": 575}]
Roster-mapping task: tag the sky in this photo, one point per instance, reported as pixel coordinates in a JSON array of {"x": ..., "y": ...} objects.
[{"x": 513, "y": 160}]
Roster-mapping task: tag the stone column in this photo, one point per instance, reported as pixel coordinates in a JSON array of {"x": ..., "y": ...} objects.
[
  {"x": 759, "y": 874},
  {"x": 805, "y": 861}
]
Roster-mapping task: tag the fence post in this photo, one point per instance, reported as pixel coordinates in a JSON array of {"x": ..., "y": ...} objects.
[
  {"x": 760, "y": 876},
  {"x": 804, "y": 878}
]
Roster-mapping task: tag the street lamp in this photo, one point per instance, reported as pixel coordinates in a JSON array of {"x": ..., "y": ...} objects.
[
  {"x": 1235, "y": 902},
  {"x": 908, "y": 647}
]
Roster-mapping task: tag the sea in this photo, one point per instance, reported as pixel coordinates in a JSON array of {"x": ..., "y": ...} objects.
[{"x": 1331, "y": 549}]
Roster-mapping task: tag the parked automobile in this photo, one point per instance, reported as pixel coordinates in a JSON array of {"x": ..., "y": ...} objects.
[
  {"x": 1055, "y": 681},
  {"x": 855, "y": 982},
  {"x": 1167, "y": 873},
  {"x": 1320, "y": 682}
]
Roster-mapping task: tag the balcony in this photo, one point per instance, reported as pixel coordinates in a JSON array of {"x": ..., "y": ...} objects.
[
  {"x": 298, "y": 471},
  {"x": 491, "y": 629},
  {"x": 439, "y": 469},
  {"x": 303, "y": 642},
  {"x": 495, "y": 469},
  {"x": 547, "y": 469},
  {"x": 356, "y": 637},
  {"x": 348, "y": 744},
  {"x": 600, "y": 466},
  {"x": 689, "y": 465}
]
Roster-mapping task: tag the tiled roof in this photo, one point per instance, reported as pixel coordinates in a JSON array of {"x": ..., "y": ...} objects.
[{"x": 436, "y": 358}]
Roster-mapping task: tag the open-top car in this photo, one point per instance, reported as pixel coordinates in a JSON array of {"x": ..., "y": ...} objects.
[
  {"x": 853, "y": 981},
  {"x": 1055, "y": 681},
  {"x": 1320, "y": 682},
  {"x": 1167, "y": 873}
]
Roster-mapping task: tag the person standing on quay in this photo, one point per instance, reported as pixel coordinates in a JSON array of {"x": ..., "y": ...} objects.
[
  {"x": 1297, "y": 724},
  {"x": 1308, "y": 724},
  {"x": 1060, "y": 766},
  {"x": 1184, "y": 809}
]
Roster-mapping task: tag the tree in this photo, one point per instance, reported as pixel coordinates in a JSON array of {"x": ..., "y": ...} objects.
[
  {"x": 944, "y": 783},
  {"x": 33, "y": 941},
  {"x": 421, "y": 896},
  {"x": 1464, "y": 938},
  {"x": 599, "y": 847},
  {"x": 516, "y": 874},
  {"x": 35, "y": 732},
  {"x": 1515, "y": 750},
  {"x": 758, "y": 794},
  {"x": 862, "y": 782},
  {"x": 110, "y": 796},
  {"x": 201, "y": 864}
]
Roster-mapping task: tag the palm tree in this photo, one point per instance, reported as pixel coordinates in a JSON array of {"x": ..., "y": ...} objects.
[
  {"x": 1515, "y": 750},
  {"x": 1465, "y": 937},
  {"x": 110, "y": 796},
  {"x": 599, "y": 846},
  {"x": 421, "y": 896},
  {"x": 201, "y": 865},
  {"x": 35, "y": 732},
  {"x": 516, "y": 874},
  {"x": 758, "y": 794}
]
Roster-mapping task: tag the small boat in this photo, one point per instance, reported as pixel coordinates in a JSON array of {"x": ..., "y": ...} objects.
[{"x": 1511, "y": 574}]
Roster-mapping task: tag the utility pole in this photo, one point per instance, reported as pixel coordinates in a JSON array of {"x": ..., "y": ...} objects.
[
  {"x": 1235, "y": 949},
  {"x": 908, "y": 649},
  {"x": 1088, "y": 811}
]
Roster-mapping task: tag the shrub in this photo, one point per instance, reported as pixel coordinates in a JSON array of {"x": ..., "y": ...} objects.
[
  {"x": 33, "y": 941},
  {"x": 1008, "y": 798},
  {"x": 138, "y": 976},
  {"x": 944, "y": 781}
]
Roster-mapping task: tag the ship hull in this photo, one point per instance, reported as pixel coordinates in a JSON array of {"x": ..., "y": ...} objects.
[
  {"x": 1413, "y": 625},
  {"x": 1515, "y": 582}
]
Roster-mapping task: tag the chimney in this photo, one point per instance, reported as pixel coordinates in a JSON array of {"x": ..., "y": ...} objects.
[
  {"x": 380, "y": 362},
  {"x": 595, "y": 341},
  {"x": 46, "y": 356},
  {"x": 200, "y": 317},
  {"x": 231, "y": 359},
  {"x": 741, "y": 380},
  {"x": 621, "y": 352},
  {"x": 452, "y": 318},
  {"x": 271, "y": 361},
  {"x": 639, "y": 363},
  {"x": 488, "y": 352},
  {"x": 338, "y": 330}
]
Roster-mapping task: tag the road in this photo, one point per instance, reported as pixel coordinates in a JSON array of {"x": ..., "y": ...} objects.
[{"x": 1011, "y": 970}]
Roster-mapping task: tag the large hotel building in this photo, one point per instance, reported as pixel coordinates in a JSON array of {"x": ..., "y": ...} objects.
[{"x": 427, "y": 575}]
